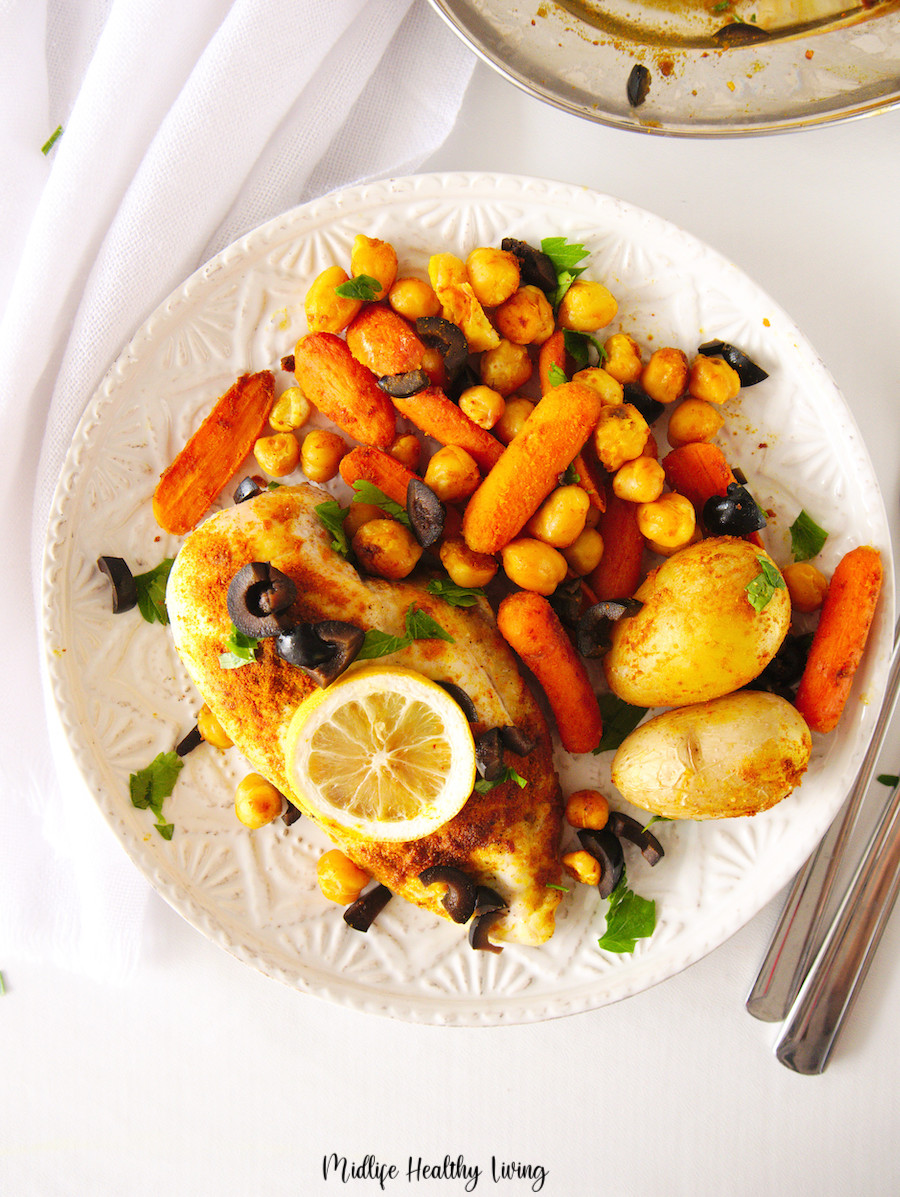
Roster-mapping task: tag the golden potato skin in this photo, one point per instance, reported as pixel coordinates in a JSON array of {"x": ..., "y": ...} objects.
[
  {"x": 697, "y": 635},
  {"x": 736, "y": 755}
]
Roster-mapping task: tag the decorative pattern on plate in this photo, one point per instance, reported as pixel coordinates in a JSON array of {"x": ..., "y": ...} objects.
[{"x": 123, "y": 696}]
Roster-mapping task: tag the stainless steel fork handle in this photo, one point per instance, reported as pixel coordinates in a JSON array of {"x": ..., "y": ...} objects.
[
  {"x": 799, "y": 931},
  {"x": 820, "y": 1011}
]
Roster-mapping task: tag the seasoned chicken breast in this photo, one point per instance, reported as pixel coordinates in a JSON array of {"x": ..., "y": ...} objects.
[{"x": 507, "y": 838}]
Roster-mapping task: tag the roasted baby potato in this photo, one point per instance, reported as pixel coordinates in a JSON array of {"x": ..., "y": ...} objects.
[
  {"x": 736, "y": 755},
  {"x": 698, "y": 635}
]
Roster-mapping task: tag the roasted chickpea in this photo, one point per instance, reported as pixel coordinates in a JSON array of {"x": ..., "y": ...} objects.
[
  {"x": 291, "y": 410},
  {"x": 526, "y": 318},
  {"x": 386, "y": 548},
  {"x": 413, "y": 297},
  {"x": 712, "y": 379},
  {"x": 583, "y": 555},
  {"x": 806, "y": 584},
  {"x": 452, "y": 474},
  {"x": 668, "y": 521},
  {"x": 446, "y": 269},
  {"x": 559, "y": 520},
  {"x": 256, "y": 801},
  {"x": 640, "y": 480},
  {"x": 506, "y": 367},
  {"x": 620, "y": 435},
  {"x": 340, "y": 880},
  {"x": 588, "y": 808},
  {"x": 482, "y": 405},
  {"x": 593, "y": 517},
  {"x": 623, "y": 357},
  {"x": 408, "y": 450},
  {"x": 321, "y": 454},
  {"x": 693, "y": 420},
  {"x": 211, "y": 729},
  {"x": 582, "y": 866},
  {"x": 377, "y": 259},
  {"x": 518, "y": 409},
  {"x": 359, "y": 513},
  {"x": 586, "y": 306},
  {"x": 533, "y": 565},
  {"x": 434, "y": 366},
  {"x": 326, "y": 311},
  {"x": 608, "y": 388},
  {"x": 465, "y": 567},
  {"x": 665, "y": 375},
  {"x": 278, "y": 454},
  {"x": 493, "y": 273}
]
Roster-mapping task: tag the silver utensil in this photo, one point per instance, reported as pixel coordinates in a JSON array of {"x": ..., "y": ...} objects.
[
  {"x": 828, "y": 993},
  {"x": 799, "y": 931}
]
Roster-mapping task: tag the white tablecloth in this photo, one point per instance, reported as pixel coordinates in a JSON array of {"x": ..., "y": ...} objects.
[{"x": 193, "y": 1074}]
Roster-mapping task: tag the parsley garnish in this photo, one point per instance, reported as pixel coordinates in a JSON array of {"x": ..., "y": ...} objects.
[
  {"x": 419, "y": 626},
  {"x": 557, "y": 376},
  {"x": 149, "y": 787},
  {"x": 888, "y": 779},
  {"x": 51, "y": 140},
  {"x": 578, "y": 346},
  {"x": 368, "y": 492},
  {"x": 456, "y": 596},
  {"x": 363, "y": 286},
  {"x": 807, "y": 538},
  {"x": 151, "y": 592},
  {"x": 628, "y": 919},
  {"x": 483, "y": 786},
  {"x": 657, "y": 819},
  {"x": 619, "y": 718},
  {"x": 565, "y": 256},
  {"x": 332, "y": 515},
  {"x": 570, "y": 476},
  {"x": 761, "y": 588},
  {"x": 239, "y": 650}
]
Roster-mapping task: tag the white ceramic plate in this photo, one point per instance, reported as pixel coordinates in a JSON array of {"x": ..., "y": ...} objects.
[
  {"x": 123, "y": 696},
  {"x": 824, "y": 62}
]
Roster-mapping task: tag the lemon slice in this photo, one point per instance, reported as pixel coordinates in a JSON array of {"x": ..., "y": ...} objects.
[{"x": 384, "y": 752}]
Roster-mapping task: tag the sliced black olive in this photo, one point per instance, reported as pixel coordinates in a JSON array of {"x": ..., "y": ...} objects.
[
  {"x": 447, "y": 338},
  {"x": 517, "y": 741},
  {"x": 535, "y": 267},
  {"x": 638, "y": 85},
  {"x": 467, "y": 377},
  {"x": 362, "y": 913},
  {"x": 249, "y": 488},
  {"x": 566, "y": 601},
  {"x": 189, "y": 742},
  {"x": 650, "y": 409},
  {"x": 288, "y": 363},
  {"x": 488, "y": 899},
  {"x": 739, "y": 33},
  {"x": 733, "y": 514},
  {"x": 489, "y": 754},
  {"x": 628, "y": 828},
  {"x": 291, "y": 814},
  {"x": 458, "y": 694},
  {"x": 783, "y": 673},
  {"x": 605, "y": 848},
  {"x": 747, "y": 370},
  {"x": 426, "y": 512},
  {"x": 124, "y": 589},
  {"x": 402, "y": 386},
  {"x": 258, "y": 598},
  {"x": 323, "y": 650},
  {"x": 480, "y": 930},
  {"x": 592, "y": 636},
  {"x": 459, "y": 900}
]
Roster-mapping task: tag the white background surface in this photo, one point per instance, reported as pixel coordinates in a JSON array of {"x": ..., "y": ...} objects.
[{"x": 199, "y": 1076}]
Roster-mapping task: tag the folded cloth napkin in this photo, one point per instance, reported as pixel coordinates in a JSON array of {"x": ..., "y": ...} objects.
[{"x": 184, "y": 126}]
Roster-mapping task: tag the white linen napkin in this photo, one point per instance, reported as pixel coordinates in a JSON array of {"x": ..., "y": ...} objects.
[{"x": 185, "y": 124}]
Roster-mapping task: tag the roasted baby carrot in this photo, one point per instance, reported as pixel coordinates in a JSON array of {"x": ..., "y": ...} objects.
[
  {"x": 533, "y": 460},
  {"x": 365, "y": 464},
  {"x": 698, "y": 471},
  {"x": 552, "y": 353},
  {"x": 532, "y": 628},
  {"x": 437, "y": 416},
  {"x": 214, "y": 452},
  {"x": 343, "y": 389},
  {"x": 385, "y": 342},
  {"x": 619, "y": 573},
  {"x": 840, "y": 638},
  {"x": 591, "y": 475}
]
